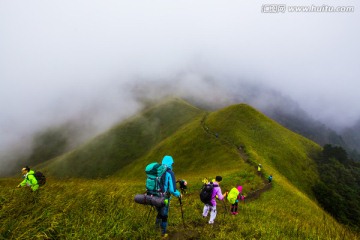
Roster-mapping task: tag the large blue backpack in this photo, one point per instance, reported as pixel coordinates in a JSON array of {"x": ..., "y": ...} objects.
[{"x": 155, "y": 178}]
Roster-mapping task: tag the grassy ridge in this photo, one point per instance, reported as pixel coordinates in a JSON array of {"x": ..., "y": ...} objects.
[
  {"x": 194, "y": 152},
  {"x": 123, "y": 143},
  {"x": 268, "y": 143},
  {"x": 104, "y": 208}
]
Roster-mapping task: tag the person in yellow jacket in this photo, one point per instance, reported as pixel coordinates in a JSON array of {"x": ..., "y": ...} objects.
[
  {"x": 234, "y": 196},
  {"x": 29, "y": 179},
  {"x": 205, "y": 181},
  {"x": 259, "y": 169}
]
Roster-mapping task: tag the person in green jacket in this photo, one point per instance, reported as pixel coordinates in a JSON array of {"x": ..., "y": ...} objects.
[{"x": 29, "y": 179}]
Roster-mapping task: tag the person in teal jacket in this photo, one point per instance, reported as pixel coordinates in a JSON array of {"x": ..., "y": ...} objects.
[
  {"x": 29, "y": 179},
  {"x": 169, "y": 188}
]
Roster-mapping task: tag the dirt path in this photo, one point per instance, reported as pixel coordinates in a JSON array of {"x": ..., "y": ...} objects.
[
  {"x": 241, "y": 150},
  {"x": 190, "y": 233}
]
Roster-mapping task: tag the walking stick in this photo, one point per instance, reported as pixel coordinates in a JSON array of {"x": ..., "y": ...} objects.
[
  {"x": 151, "y": 208},
  {"x": 182, "y": 213},
  {"x": 224, "y": 208},
  {"x": 226, "y": 193}
]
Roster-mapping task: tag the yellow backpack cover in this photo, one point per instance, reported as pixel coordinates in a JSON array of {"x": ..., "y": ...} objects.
[{"x": 232, "y": 196}]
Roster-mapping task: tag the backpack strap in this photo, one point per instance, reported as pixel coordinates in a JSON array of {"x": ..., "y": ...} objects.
[
  {"x": 173, "y": 180},
  {"x": 27, "y": 176}
]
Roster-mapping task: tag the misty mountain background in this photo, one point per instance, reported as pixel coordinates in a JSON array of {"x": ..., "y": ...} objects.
[
  {"x": 69, "y": 70},
  {"x": 55, "y": 140}
]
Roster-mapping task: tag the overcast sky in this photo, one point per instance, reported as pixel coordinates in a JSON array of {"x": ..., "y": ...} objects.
[{"x": 60, "y": 59}]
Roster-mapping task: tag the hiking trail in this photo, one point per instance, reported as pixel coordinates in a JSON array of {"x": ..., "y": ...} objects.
[{"x": 241, "y": 150}]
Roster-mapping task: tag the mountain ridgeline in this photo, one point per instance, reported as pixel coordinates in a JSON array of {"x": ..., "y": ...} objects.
[
  {"x": 102, "y": 176},
  {"x": 300, "y": 122},
  {"x": 175, "y": 127},
  {"x": 228, "y": 142},
  {"x": 122, "y": 144}
]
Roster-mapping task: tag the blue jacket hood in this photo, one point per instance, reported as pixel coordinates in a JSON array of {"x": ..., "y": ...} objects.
[{"x": 168, "y": 160}]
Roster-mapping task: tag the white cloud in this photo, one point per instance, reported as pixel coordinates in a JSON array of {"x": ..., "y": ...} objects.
[{"x": 61, "y": 57}]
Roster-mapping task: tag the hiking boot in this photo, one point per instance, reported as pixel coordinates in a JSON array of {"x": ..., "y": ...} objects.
[
  {"x": 211, "y": 222},
  {"x": 164, "y": 236},
  {"x": 232, "y": 213},
  {"x": 236, "y": 213}
]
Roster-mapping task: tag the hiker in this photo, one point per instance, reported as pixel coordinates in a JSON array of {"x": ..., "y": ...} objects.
[
  {"x": 259, "y": 169},
  {"x": 29, "y": 179},
  {"x": 270, "y": 178},
  {"x": 212, "y": 205},
  {"x": 169, "y": 188},
  {"x": 183, "y": 185},
  {"x": 205, "y": 181},
  {"x": 233, "y": 197}
]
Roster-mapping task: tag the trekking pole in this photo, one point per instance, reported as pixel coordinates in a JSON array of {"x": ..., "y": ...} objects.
[
  {"x": 224, "y": 208},
  {"x": 151, "y": 209},
  {"x": 182, "y": 213}
]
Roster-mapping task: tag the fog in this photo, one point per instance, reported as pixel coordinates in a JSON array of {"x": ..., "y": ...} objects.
[{"x": 95, "y": 61}]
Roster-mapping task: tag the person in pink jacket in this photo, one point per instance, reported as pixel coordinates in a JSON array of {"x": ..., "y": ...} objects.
[{"x": 212, "y": 206}]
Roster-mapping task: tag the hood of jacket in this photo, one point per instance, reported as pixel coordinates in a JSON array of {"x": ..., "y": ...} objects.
[
  {"x": 31, "y": 172},
  {"x": 168, "y": 160}
]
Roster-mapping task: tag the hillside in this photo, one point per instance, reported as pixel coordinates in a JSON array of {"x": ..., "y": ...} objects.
[
  {"x": 318, "y": 132},
  {"x": 104, "y": 209},
  {"x": 229, "y": 142},
  {"x": 300, "y": 122},
  {"x": 268, "y": 143},
  {"x": 351, "y": 136},
  {"x": 175, "y": 127},
  {"x": 264, "y": 140},
  {"x": 120, "y": 145},
  {"x": 197, "y": 155}
]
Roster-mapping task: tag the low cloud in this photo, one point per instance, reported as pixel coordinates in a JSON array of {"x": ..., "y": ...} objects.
[{"x": 93, "y": 61}]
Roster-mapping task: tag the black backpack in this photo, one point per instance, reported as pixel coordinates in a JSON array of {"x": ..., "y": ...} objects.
[
  {"x": 40, "y": 177},
  {"x": 206, "y": 193}
]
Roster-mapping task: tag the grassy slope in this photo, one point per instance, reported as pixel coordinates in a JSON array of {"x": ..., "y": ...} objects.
[
  {"x": 197, "y": 155},
  {"x": 123, "y": 143},
  {"x": 106, "y": 208},
  {"x": 268, "y": 143}
]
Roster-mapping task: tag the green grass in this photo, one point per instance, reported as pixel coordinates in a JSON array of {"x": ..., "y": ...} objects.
[
  {"x": 122, "y": 144},
  {"x": 104, "y": 209},
  {"x": 268, "y": 143},
  {"x": 193, "y": 150},
  {"x": 74, "y": 208}
]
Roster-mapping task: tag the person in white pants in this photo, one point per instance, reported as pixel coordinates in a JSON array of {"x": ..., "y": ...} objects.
[{"x": 212, "y": 206}]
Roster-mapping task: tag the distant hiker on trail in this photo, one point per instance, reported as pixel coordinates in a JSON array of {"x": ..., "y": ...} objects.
[
  {"x": 183, "y": 185},
  {"x": 211, "y": 205},
  {"x": 259, "y": 169},
  {"x": 169, "y": 188},
  {"x": 29, "y": 179},
  {"x": 234, "y": 196},
  {"x": 270, "y": 178}
]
